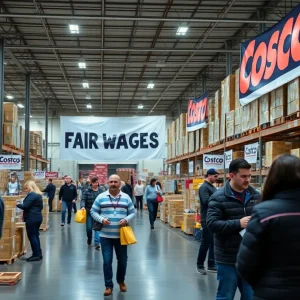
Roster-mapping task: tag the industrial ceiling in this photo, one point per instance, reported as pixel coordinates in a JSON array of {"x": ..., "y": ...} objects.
[{"x": 121, "y": 49}]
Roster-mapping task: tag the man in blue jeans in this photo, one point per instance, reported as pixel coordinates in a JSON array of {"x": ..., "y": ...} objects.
[
  {"x": 113, "y": 209},
  {"x": 229, "y": 211},
  {"x": 87, "y": 200},
  {"x": 67, "y": 196}
]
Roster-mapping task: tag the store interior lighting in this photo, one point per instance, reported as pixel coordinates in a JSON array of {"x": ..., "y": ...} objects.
[
  {"x": 89, "y": 106},
  {"x": 88, "y": 96},
  {"x": 74, "y": 28},
  {"x": 20, "y": 105},
  {"x": 30, "y": 116},
  {"x": 150, "y": 85},
  {"x": 81, "y": 65},
  {"x": 9, "y": 97},
  {"x": 85, "y": 85},
  {"x": 140, "y": 106},
  {"x": 182, "y": 30}
]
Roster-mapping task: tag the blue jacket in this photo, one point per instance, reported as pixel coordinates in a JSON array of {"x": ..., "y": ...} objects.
[
  {"x": 150, "y": 193},
  {"x": 50, "y": 190},
  {"x": 32, "y": 206}
]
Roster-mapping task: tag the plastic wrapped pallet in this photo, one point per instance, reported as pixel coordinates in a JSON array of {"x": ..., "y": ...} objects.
[
  {"x": 173, "y": 149},
  {"x": 10, "y": 113},
  {"x": 278, "y": 103},
  {"x": 253, "y": 114},
  {"x": 238, "y": 120},
  {"x": 296, "y": 152},
  {"x": 237, "y": 103},
  {"x": 191, "y": 142},
  {"x": 204, "y": 138},
  {"x": 218, "y": 104},
  {"x": 216, "y": 130},
  {"x": 197, "y": 139},
  {"x": 182, "y": 119},
  {"x": 10, "y": 132},
  {"x": 20, "y": 239},
  {"x": 264, "y": 109},
  {"x": 246, "y": 118},
  {"x": 188, "y": 223},
  {"x": 230, "y": 123},
  {"x": 228, "y": 94},
  {"x": 169, "y": 151},
  {"x": 185, "y": 144},
  {"x": 177, "y": 129},
  {"x": 211, "y": 129},
  {"x": 173, "y": 130},
  {"x": 211, "y": 110},
  {"x": 222, "y": 126},
  {"x": 293, "y": 96}
]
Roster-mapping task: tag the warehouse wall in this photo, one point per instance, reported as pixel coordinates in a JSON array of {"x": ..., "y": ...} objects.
[{"x": 71, "y": 167}]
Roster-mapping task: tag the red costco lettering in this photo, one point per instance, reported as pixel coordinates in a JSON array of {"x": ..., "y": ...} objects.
[
  {"x": 197, "y": 111},
  {"x": 282, "y": 46}
]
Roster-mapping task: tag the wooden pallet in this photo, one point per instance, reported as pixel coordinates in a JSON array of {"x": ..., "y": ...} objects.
[
  {"x": 185, "y": 233},
  {"x": 19, "y": 255},
  {"x": 10, "y": 278},
  {"x": 9, "y": 261},
  {"x": 44, "y": 228},
  {"x": 237, "y": 136},
  {"x": 253, "y": 130},
  {"x": 293, "y": 116},
  {"x": 265, "y": 125},
  {"x": 175, "y": 226},
  {"x": 277, "y": 121},
  {"x": 229, "y": 138}
]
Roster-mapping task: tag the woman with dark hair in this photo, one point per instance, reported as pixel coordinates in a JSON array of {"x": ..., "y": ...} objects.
[
  {"x": 151, "y": 193},
  {"x": 268, "y": 258}
]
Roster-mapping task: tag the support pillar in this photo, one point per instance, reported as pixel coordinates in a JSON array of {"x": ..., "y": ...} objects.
[
  {"x": 27, "y": 122},
  {"x": 203, "y": 78},
  {"x": 261, "y": 26},
  {"x": 228, "y": 46},
  {"x": 2, "y": 41},
  {"x": 46, "y": 127}
]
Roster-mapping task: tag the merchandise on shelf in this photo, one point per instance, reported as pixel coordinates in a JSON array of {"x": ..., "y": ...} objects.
[
  {"x": 191, "y": 142},
  {"x": 185, "y": 141},
  {"x": 182, "y": 122},
  {"x": 230, "y": 123},
  {"x": 216, "y": 130},
  {"x": 204, "y": 138},
  {"x": 197, "y": 138},
  {"x": 10, "y": 113},
  {"x": 178, "y": 129},
  {"x": 293, "y": 96},
  {"x": 278, "y": 103},
  {"x": 218, "y": 104},
  {"x": 211, "y": 130},
  {"x": 264, "y": 109},
  {"x": 10, "y": 132},
  {"x": 296, "y": 152},
  {"x": 188, "y": 223},
  {"x": 222, "y": 126},
  {"x": 211, "y": 110},
  {"x": 238, "y": 120},
  {"x": 253, "y": 122},
  {"x": 246, "y": 117},
  {"x": 237, "y": 103},
  {"x": 228, "y": 94}
]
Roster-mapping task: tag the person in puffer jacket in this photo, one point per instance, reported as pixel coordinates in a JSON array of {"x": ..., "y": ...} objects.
[{"x": 268, "y": 258}]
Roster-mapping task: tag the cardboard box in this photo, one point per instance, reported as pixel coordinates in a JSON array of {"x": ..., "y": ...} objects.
[
  {"x": 191, "y": 142},
  {"x": 293, "y": 96},
  {"x": 204, "y": 138},
  {"x": 218, "y": 104},
  {"x": 253, "y": 122},
  {"x": 246, "y": 117},
  {"x": 10, "y": 134},
  {"x": 7, "y": 248},
  {"x": 264, "y": 109},
  {"x": 237, "y": 103},
  {"x": 222, "y": 126},
  {"x": 230, "y": 123},
  {"x": 10, "y": 113},
  {"x": 296, "y": 152},
  {"x": 197, "y": 140},
  {"x": 228, "y": 94},
  {"x": 211, "y": 130},
  {"x": 216, "y": 130},
  {"x": 211, "y": 110},
  {"x": 238, "y": 120},
  {"x": 182, "y": 131},
  {"x": 278, "y": 103}
]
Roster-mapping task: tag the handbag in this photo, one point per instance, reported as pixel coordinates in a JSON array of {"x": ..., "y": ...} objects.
[
  {"x": 127, "y": 236},
  {"x": 97, "y": 226},
  {"x": 80, "y": 216},
  {"x": 159, "y": 198}
]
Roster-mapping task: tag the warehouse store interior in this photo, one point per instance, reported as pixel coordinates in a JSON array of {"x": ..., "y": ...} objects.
[{"x": 146, "y": 97}]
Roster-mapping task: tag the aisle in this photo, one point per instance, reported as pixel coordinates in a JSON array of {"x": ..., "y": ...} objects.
[{"x": 160, "y": 266}]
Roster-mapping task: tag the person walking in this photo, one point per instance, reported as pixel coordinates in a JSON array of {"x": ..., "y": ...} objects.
[
  {"x": 207, "y": 239},
  {"x": 67, "y": 196},
  {"x": 87, "y": 201},
  {"x": 127, "y": 189},
  {"x": 13, "y": 187},
  {"x": 229, "y": 211},
  {"x": 139, "y": 194},
  {"x": 50, "y": 190},
  {"x": 113, "y": 209},
  {"x": 151, "y": 193},
  {"x": 32, "y": 206},
  {"x": 268, "y": 258}
]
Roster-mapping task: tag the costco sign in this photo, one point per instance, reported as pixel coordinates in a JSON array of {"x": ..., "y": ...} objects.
[{"x": 270, "y": 59}]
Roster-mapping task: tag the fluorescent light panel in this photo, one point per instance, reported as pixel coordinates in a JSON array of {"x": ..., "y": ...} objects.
[
  {"x": 20, "y": 105},
  {"x": 89, "y": 106},
  {"x": 85, "y": 85},
  {"x": 88, "y": 96},
  {"x": 81, "y": 65},
  {"x": 140, "y": 106},
  {"x": 10, "y": 97},
  {"x": 74, "y": 28},
  {"x": 182, "y": 30},
  {"x": 150, "y": 85}
]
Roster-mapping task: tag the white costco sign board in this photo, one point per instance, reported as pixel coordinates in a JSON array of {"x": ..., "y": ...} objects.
[
  {"x": 39, "y": 175},
  {"x": 228, "y": 158},
  {"x": 112, "y": 139},
  {"x": 10, "y": 162},
  {"x": 250, "y": 153},
  {"x": 211, "y": 161}
]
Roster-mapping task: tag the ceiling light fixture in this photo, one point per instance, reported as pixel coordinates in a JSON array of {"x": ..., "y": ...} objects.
[
  {"x": 81, "y": 65},
  {"x": 140, "y": 106},
  {"x": 20, "y": 105},
  {"x": 74, "y": 28},
  {"x": 89, "y": 106},
  {"x": 88, "y": 96},
  {"x": 85, "y": 85},
  {"x": 160, "y": 64},
  {"x": 182, "y": 30},
  {"x": 10, "y": 97},
  {"x": 150, "y": 85}
]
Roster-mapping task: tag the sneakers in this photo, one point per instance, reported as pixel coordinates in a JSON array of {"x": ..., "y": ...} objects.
[
  {"x": 33, "y": 258},
  {"x": 62, "y": 224},
  {"x": 123, "y": 287},
  {"x": 89, "y": 242},
  {"x": 201, "y": 270},
  {"x": 152, "y": 226},
  {"x": 108, "y": 292},
  {"x": 97, "y": 246},
  {"x": 212, "y": 269}
]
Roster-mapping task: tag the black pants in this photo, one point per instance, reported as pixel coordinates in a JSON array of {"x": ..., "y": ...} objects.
[
  {"x": 207, "y": 244},
  {"x": 33, "y": 233},
  {"x": 50, "y": 200},
  {"x": 139, "y": 202},
  {"x": 74, "y": 207},
  {"x": 152, "y": 208}
]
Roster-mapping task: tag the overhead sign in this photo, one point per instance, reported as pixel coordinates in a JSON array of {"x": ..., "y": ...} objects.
[
  {"x": 250, "y": 153},
  {"x": 52, "y": 175},
  {"x": 40, "y": 175},
  {"x": 191, "y": 167},
  {"x": 211, "y": 161},
  {"x": 111, "y": 139},
  {"x": 228, "y": 158},
  {"x": 10, "y": 162},
  {"x": 197, "y": 113},
  {"x": 270, "y": 59}
]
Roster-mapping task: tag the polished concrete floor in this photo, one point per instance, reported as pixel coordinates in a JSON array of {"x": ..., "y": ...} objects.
[{"x": 161, "y": 266}]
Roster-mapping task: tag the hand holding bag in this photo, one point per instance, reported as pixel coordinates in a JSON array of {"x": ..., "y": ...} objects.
[
  {"x": 80, "y": 216},
  {"x": 127, "y": 236}
]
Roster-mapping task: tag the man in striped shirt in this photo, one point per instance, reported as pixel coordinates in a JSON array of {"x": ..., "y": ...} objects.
[{"x": 113, "y": 209}]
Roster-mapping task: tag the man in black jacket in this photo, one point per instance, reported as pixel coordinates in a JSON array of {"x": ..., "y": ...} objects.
[
  {"x": 67, "y": 196},
  {"x": 87, "y": 201},
  {"x": 127, "y": 188},
  {"x": 207, "y": 239},
  {"x": 50, "y": 190},
  {"x": 229, "y": 211}
]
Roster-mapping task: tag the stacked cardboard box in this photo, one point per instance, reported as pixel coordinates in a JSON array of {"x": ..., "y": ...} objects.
[
  {"x": 45, "y": 213},
  {"x": 185, "y": 141},
  {"x": 197, "y": 138},
  {"x": 182, "y": 120},
  {"x": 278, "y": 107},
  {"x": 191, "y": 142},
  {"x": 36, "y": 142},
  {"x": 10, "y": 113},
  {"x": 230, "y": 123},
  {"x": 188, "y": 223},
  {"x": 21, "y": 239},
  {"x": 238, "y": 120},
  {"x": 253, "y": 122},
  {"x": 216, "y": 130},
  {"x": 237, "y": 89},
  {"x": 275, "y": 148},
  {"x": 296, "y": 152},
  {"x": 228, "y": 94},
  {"x": 246, "y": 117},
  {"x": 175, "y": 209},
  {"x": 164, "y": 212},
  {"x": 204, "y": 138},
  {"x": 177, "y": 129},
  {"x": 7, "y": 243},
  {"x": 10, "y": 132},
  {"x": 56, "y": 205},
  {"x": 3, "y": 181},
  {"x": 264, "y": 109},
  {"x": 222, "y": 126},
  {"x": 293, "y": 96},
  {"x": 211, "y": 130},
  {"x": 211, "y": 110},
  {"x": 218, "y": 104}
]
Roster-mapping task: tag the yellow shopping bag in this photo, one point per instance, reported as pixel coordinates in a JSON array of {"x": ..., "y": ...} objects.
[
  {"x": 80, "y": 216},
  {"x": 127, "y": 236}
]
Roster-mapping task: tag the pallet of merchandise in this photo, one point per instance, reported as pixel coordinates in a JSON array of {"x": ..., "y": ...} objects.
[
  {"x": 45, "y": 212},
  {"x": 188, "y": 223},
  {"x": 175, "y": 221},
  {"x": 164, "y": 212},
  {"x": 10, "y": 278},
  {"x": 292, "y": 117},
  {"x": 21, "y": 240}
]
